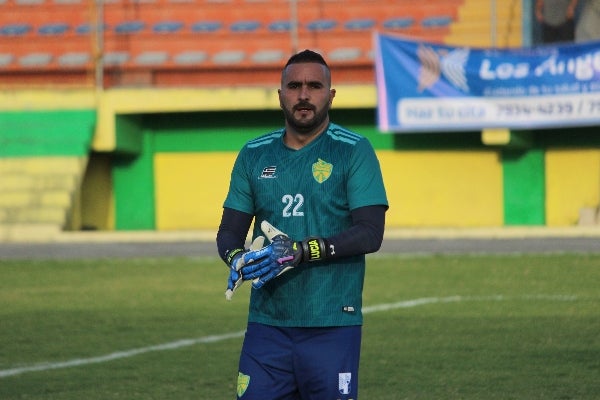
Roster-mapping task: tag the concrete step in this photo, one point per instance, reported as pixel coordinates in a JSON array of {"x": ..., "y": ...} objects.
[
  {"x": 42, "y": 165},
  {"x": 38, "y": 191},
  {"x": 29, "y": 233},
  {"x": 33, "y": 215},
  {"x": 15, "y": 199},
  {"x": 48, "y": 181}
]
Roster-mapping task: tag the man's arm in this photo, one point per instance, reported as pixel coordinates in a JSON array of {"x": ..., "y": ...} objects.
[
  {"x": 233, "y": 231},
  {"x": 364, "y": 236}
]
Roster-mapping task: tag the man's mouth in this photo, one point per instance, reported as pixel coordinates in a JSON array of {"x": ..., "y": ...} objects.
[{"x": 303, "y": 108}]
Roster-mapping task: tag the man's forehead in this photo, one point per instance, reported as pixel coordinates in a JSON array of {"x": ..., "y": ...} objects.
[{"x": 305, "y": 72}]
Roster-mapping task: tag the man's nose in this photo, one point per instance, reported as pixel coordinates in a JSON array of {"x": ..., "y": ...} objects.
[{"x": 304, "y": 93}]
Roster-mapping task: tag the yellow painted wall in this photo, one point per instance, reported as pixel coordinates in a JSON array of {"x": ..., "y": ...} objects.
[
  {"x": 425, "y": 188},
  {"x": 190, "y": 189},
  {"x": 572, "y": 182},
  {"x": 443, "y": 188}
]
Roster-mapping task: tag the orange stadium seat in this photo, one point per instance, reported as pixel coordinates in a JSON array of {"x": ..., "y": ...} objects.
[{"x": 167, "y": 35}]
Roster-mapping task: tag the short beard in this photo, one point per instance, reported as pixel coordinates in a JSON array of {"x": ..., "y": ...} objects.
[{"x": 308, "y": 126}]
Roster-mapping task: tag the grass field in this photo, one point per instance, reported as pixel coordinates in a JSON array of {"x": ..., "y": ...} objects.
[{"x": 436, "y": 327}]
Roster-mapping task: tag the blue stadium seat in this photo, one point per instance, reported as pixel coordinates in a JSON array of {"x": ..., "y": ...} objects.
[
  {"x": 86, "y": 29},
  {"x": 54, "y": 29},
  {"x": 280, "y": 26},
  {"x": 130, "y": 27},
  {"x": 244, "y": 26},
  {"x": 167, "y": 27},
  {"x": 398, "y": 23},
  {"x": 359, "y": 24},
  {"x": 321, "y": 25},
  {"x": 436, "y": 22},
  {"x": 206, "y": 26},
  {"x": 15, "y": 29}
]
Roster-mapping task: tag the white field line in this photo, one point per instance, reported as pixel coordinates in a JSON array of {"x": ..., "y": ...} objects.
[{"x": 218, "y": 338}]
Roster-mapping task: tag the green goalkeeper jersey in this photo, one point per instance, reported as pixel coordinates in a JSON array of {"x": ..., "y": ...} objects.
[{"x": 308, "y": 192}]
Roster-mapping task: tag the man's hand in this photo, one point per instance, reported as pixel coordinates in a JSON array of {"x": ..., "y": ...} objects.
[
  {"x": 255, "y": 260},
  {"x": 287, "y": 254}
]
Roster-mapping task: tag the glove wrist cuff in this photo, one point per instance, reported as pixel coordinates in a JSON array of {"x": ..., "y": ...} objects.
[
  {"x": 231, "y": 255},
  {"x": 313, "y": 249}
]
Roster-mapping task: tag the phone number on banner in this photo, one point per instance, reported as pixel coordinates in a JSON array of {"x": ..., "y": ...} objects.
[{"x": 484, "y": 112}]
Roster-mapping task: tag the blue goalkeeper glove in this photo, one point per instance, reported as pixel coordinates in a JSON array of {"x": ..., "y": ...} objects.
[
  {"x": 255, "y": 260},
  {"x": 287, "y": 253}
]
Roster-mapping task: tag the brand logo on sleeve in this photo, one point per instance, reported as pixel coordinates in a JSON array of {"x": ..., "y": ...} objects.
[{"x": 269, "y": 172}]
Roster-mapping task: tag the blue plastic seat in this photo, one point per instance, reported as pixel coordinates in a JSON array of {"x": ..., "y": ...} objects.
[
  {"x": 436, "y": 22},
  {"x": 398, "y": 23},
  {"x": 130, "y": 27},
  {"x": 280, "y": 26},
  {"x": 321, "y": 25},
  {"x": 54, "y": 29},
  {"x": 167, "y": 27},
  {"x": 86, "y": 29},
  {"x": 15, "y": 29},
  {"x": 206, "y": 26},
  {"x": 244, "y": 26},
  {"x": 359, "y": 24}
]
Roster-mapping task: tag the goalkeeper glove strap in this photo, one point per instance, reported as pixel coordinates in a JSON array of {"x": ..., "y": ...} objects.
[
  {"x": 231, "y": 256},
  {"x": 312, "y": 248}
]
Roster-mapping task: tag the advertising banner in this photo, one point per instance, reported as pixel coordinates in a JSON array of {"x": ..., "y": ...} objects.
[{"x": 425, "y": 87}]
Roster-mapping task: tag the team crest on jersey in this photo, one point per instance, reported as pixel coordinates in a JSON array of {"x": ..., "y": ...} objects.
[
  {"x": 321, "y": 170},
  {"x": 242, "y": 384}
]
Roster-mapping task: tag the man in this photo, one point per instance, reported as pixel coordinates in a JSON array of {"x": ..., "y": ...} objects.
[
  {"x": 316, "y": 192},
  {"x": 588, "y": 27},
  {"x": 557, "y": 18}
]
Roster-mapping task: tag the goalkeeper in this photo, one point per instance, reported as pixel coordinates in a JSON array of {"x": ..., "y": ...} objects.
[{"x": 315, "y": 192}]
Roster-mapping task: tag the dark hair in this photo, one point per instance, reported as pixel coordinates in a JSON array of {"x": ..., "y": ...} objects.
[{"x": 307, "y": 56}]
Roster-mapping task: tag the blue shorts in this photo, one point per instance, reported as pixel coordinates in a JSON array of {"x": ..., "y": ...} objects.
[{"x": 280, "y": 363}]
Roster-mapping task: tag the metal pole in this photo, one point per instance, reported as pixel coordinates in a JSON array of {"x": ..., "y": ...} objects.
[
  {"x": 98, "y": 25},
  {"x": 294, "y": 27},
  {"x": 494, "y": 22}
]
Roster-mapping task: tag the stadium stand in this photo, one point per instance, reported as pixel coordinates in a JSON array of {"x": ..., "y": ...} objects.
[{"x": 156, "y": 37}]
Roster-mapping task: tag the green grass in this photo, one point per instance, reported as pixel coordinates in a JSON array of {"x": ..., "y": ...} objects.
[{"x": 523, "y": 327}]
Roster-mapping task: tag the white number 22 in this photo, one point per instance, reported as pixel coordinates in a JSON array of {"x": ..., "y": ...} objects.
[{"x": 293, "y": 205}]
